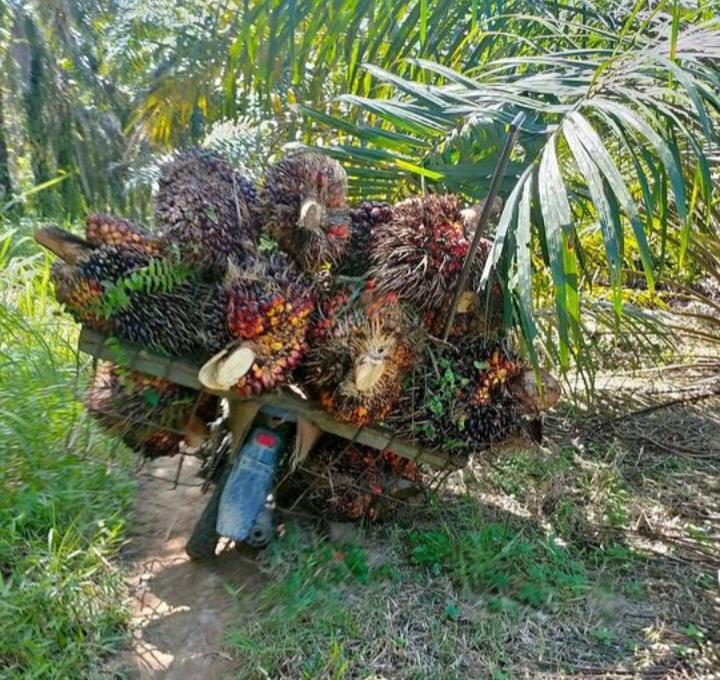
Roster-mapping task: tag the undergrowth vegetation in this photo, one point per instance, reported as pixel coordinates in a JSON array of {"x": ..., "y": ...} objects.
[
  {"x": 535, "y": 564},
  {"x": 64, "y": 501}
]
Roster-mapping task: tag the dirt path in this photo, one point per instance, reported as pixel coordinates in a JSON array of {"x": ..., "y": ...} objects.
[{"x": 180, "y": 609}]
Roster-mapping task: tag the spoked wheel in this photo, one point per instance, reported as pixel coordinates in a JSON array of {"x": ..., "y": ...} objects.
[{"x": 204, "y": 538}]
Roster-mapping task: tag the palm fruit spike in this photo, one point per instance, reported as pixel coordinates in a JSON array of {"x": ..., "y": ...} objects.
[
  {"x": 102, "y": 229},
  {"x": 303, "y": 204},
  {"x": 419, "y": 254},
  {"x": 357, "y": 370},
  {"x": 457, "y": 397},
  {"x": 188, "y": 322},
  {"x": 206, "y": 210},
  {"x": 364, "y": 219},
  {"x": 151, "y": 415},
  {"x": 268, "y": 311}
]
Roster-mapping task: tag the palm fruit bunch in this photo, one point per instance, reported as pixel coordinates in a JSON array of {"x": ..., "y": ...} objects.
[
  {"x": 458, "y": 397},
  {"x": 269, "y": 307},
  {"x": 347, "y": 484},
  {"x": 151, "y": 415},
  {"x": 304, "y": 208},
  {"x": 364, "y": 219},
  {"x": 188, "y": 321},
  {"x": 206, "y": 211},
  {"x": 81, "y": 286},
  {"x": 420, "y": 252},
  {"x": 102, "y": 229},
  {"x": 356, "y": 370},
  {"x": 479, "y": 310}
]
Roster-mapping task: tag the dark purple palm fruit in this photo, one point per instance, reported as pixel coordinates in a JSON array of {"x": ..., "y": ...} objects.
[
  {"x": 364, "y": 219},
  {"x": 207, "y": 211}
]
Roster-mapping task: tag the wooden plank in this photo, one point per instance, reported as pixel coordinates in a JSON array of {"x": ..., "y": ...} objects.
[{"x": 186, "y": 374}]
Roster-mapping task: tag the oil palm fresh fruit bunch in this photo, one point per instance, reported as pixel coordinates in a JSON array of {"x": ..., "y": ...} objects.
[
  {"x": 187, "y": 321},
  {"x": 344, "y": 483},
  {"x": 151, "y": 415},
  {"x": 83, "y": 273},
  {"x": 364, "y": 219},
  {"x": 304, "y": 208},
  {"x": 102, "y": 229},
  {"x": 479, "y": 311},
  {"x": 206, "y": 211},
  {"x": 457, "y": 397},
  {"x": 264, "y": 294},
  {"x": 268, "y": 313},
  {"x": 148, "y": 301},
  {"x": 356, "y": 370},
  {"x": 82, "y": 298},
  {"x": 419, "y": 254}
]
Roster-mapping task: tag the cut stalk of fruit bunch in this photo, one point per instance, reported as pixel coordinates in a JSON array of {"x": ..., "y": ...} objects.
[{"x": 226, "y": 368}]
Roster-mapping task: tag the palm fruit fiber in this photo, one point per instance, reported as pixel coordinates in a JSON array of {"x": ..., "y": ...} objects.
[{"x": 303, "y": 204}]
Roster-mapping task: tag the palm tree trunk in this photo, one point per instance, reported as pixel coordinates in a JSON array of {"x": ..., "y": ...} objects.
[
  {"x": 6, "y": 188},
  {"x": 37, "y": 128}
]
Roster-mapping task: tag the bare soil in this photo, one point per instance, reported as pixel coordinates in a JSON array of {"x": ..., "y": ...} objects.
[{"x": 180, "y": 609}]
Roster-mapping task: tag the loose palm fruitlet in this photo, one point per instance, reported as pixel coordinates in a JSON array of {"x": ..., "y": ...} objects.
[
  {"x": 269, "y": 307},
  {"x": 420, "y": 252},
  {"x": 206, "y": 211},
  {"x": 303, "y": 204},
  {"x": 102, "y": 229},
  {"x": 356, "y": 370},
  {"x": 188, "y": 321},
  {"x": 151, "y": 415},
  {"x": 364, "y": 219},
  {"x": 457, "y": 398},
  {"x": 347, "y": 484}
]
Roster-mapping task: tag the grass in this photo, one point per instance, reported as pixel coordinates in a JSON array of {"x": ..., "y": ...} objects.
[
  {"x": 62, "y": 603},
  {"x": 529, "y": 564}
]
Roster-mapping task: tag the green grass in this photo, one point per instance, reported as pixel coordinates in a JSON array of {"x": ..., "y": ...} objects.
[
  {"x": 62, "y": 502},
  {"x": 494, "y": 583}
]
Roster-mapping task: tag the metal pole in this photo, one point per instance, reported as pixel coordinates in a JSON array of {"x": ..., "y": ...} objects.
[{"x": 484, "y": 216}]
